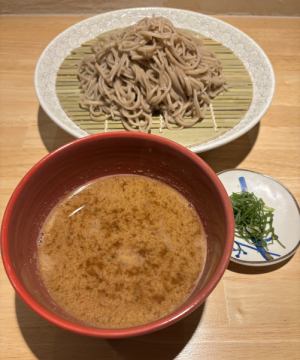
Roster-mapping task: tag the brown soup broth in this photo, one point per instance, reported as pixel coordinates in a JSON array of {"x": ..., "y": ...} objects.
[{"x": 124, "y": 250}]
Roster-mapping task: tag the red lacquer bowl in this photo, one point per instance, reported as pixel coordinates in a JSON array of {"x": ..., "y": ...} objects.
[{"x": 99, "y": 155}]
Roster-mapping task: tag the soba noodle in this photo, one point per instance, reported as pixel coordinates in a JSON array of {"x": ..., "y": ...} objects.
[{"x": 148, "y": 69}]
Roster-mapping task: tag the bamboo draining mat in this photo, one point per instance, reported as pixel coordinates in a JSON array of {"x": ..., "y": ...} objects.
[{"x": 229, "y": 107}]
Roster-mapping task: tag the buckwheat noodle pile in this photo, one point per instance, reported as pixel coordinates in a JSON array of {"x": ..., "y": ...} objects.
[{"x": 150, "y": 69}]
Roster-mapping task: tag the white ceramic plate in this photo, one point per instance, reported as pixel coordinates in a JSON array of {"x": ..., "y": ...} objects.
[
  {"x": 286, "y": 217},
  {"x": 253, "y": 57}
]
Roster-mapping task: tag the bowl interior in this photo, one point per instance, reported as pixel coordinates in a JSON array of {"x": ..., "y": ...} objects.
[{"x": 102, "y": 155}]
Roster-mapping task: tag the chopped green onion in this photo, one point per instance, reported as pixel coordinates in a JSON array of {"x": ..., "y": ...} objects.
[{"x": 253, "y": 219}]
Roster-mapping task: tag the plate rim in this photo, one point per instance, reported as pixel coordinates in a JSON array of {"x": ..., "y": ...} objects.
[
  {"x": 221, "y": 140},
  {"x": 293, "y": 250}
]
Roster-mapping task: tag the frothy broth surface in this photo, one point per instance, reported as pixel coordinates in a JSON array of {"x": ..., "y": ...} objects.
[{"x": 121, "y": 251}]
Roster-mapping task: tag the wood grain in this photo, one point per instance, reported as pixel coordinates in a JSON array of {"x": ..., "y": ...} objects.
[
  {"x": 251, "y": 314},
  {"x": 253, "y": 7}
]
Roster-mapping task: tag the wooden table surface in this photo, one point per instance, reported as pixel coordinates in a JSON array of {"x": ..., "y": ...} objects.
[{"x": 251, "y": 314}]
